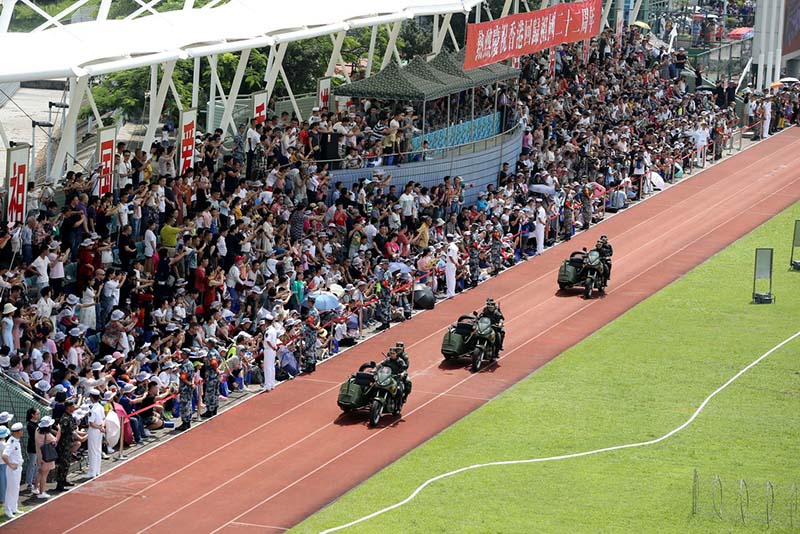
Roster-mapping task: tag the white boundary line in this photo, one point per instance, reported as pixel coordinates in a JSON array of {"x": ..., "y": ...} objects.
[
  {"x": 446, "y": 392},
  {"x": 469, "y": 377},
  {"x": 686, "y": 179},
  {"x": 567, "y": 456}
]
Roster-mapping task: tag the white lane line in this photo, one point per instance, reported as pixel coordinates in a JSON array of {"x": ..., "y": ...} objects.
[
  {"x": 259, "y": 427},
  {"x": 525, "y": 343},
  {"x": 259, "y": 526},
  {"x": 566, "y": 456},
  {"x": 258, "y": 464}
]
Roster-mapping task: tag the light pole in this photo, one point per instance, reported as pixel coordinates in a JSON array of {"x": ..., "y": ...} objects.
[
  {"x": 50, "y": 106},
  {"x": 34, "y": 125}
]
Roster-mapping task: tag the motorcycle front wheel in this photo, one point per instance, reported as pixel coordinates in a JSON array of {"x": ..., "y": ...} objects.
[
  {"x": 477, "y": 359},
  {"x": 375, "y": 413},
  {"x": 587, "y": 290}
]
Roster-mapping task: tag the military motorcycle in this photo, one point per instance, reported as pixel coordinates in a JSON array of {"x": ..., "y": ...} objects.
[
  {"x": 585, "y": 269},
  {"x": 377, "y": 392},
  {"x": 471, "y": 336}
]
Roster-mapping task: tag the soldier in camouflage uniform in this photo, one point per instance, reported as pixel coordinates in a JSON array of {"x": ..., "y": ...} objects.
[
  {"x": 474, "y": 257},
  {"x": 384, "y": 290},
  {"x": 308, "y": 338},
  {"x": 185, "y": 390},
  {"x": 211, "y": 376},
  {"x": 66, "y": 442},
  {"x": 497, "y": 258}
]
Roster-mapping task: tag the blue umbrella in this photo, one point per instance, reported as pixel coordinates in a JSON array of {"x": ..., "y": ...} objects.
[
  {"x": 397, "y": 266},
  {"x": 324, "y": 301}
]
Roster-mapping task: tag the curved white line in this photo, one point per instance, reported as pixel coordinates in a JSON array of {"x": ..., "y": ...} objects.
[{"x": 568, "y": 456}]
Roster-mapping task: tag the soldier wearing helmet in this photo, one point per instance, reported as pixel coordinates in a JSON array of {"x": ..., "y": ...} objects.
[
  {"x": 606, "y": 251},
  {"x": 492, "y": 311}
]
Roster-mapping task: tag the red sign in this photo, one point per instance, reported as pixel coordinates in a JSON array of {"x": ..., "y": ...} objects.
[
  {"x": 107, "y": 171},
  {"x": 17, "y": 183},
  {"x": 188, "y": 121},
  {"x": 260, "y": 107},
  {"x": 526, "y": 33},
  {"x": 187, "y": 147}
]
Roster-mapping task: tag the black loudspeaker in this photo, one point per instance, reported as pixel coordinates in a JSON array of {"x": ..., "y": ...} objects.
[{"x": 329, "y": 148}]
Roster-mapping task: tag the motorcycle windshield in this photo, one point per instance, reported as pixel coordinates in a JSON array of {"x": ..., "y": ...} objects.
[
  {"x": 383, "y": 376},
  {"x": 593, "y": 258},
  {"x": 484, "y": 325}
]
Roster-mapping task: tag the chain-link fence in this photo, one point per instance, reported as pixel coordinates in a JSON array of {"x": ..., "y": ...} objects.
[{"x": 17, "y": 399}]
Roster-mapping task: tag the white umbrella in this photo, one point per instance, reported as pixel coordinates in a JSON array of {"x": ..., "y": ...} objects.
[
  {"x": 789, "y": 79},
  {"x": 337, "y": 290}
]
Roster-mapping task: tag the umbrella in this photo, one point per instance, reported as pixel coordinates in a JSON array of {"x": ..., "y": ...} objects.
[
  {"x": 398, "y": 266},
  {"x": 705, "y": 87},
  {"x": 324, "y": 301},
  {"x": 742, "y": 33},
  {"x": 642, "y": 25},
  {"x": 337, "y": 290},
  {"x": 789, "y": 79},
  {"x": 423, "y": 297},
  {"x": 773, "y": 85},
  {"x": 542, "y": 189}
]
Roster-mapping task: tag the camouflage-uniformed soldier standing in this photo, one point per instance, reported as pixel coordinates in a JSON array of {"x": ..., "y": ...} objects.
[
  {"x": 309, "y": 340},
  {"x": 64, "y": 446},
  {"x": 384, "y": 290},
  {"x": 185, "y": 390},
  {"x": 497, "y": 258},
  {"x": 474, "y": 258},
  {"x": 211, "y": 377}
]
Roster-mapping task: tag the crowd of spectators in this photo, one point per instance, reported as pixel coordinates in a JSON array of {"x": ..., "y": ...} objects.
[{"x": 258, "y": 257}]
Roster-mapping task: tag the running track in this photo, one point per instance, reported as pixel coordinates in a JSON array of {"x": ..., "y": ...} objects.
[{"x": 265, "y": 465}]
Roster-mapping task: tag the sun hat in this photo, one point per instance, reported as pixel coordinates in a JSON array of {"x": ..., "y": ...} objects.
[
  {"x": 43, "y": 385},
  {"x": 9, "y": 308},
  {"x": 5, "y": 417},
  {"x": 117, "y": 315},
  {"x": 46, "y": 422},
  {"x": 16, "y": 427},
  {"x": 96, "y": 366},
  {"x": 4, "y": 432},
  {"x": 72, "y": 299}
]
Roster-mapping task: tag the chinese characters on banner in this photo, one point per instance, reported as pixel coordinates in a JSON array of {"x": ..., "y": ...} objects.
[
  {"x": 526, "y": 33},
  {"x": 260, "y": 107},
  {"x": 586, "y": 45},
  {"x": 17, "y": 175},
  {"x": 323, "y": 92},
  {"x": 106, "y": 143},
  {"x": 188, "y": 122}
]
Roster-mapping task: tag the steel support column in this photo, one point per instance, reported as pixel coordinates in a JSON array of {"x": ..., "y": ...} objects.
[
  {"x": 392, "y": 44},
  {"x": 227, "y": 115},
  {"x": 77, "y": 90},
  {"x": 373, "y": 38},
  {"x": 157, "y": 104}
]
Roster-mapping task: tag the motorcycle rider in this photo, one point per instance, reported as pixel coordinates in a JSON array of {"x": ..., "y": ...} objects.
[
  {"x": 606, "y": 251},
  {"x": 399, "y": 367},
  {"x": 492, "y": 311}
]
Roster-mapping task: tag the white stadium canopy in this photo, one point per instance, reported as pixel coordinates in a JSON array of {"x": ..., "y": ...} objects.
[{"x": 103, "y": 46}]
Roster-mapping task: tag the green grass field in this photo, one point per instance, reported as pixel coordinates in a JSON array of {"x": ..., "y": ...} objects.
[{"x": 634, "y": 380}]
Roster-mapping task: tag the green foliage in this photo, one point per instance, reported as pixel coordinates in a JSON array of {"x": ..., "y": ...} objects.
[{"x": 634, "y": 380}]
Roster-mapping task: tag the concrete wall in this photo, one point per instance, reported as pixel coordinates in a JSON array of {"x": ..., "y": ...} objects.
[{"x": 479, "y": 165}]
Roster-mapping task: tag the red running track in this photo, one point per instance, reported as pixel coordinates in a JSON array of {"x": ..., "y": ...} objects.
[{"x": 265, "y": 465}]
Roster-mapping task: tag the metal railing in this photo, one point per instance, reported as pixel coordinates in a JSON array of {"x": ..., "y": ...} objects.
[
  {"x": 725, "y": 62},
  {"x": 433, "y": 154}
]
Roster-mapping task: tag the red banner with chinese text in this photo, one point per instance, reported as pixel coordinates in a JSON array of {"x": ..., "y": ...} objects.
[
  {"x": 106, "y": 145},
  {"x": 188, "y": 121},
  {"x": 527, "y": 33},
  {"x": 17, "y": 159}
]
